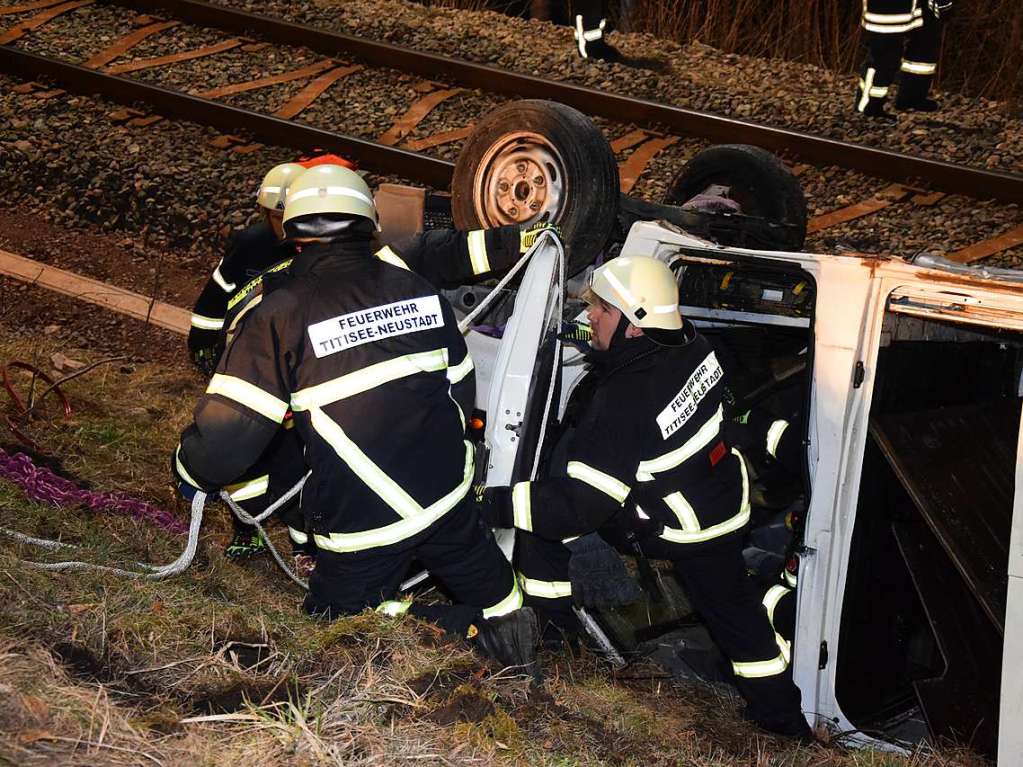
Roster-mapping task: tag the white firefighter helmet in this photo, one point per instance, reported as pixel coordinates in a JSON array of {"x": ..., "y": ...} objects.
[
  {"x": 643, "y": 288},
  {"x": 275, "y": 185},
  {"x": 326, "y": 190}
]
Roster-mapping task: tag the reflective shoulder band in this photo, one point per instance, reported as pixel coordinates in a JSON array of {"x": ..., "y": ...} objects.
[
  {"x": 477, "y": 241},
  {"x": 522, "y": 513},
  {"x": 461, "y": 370},
  {"x": 206, "y": 323},
  {"x": 509, "y": 604},
  {"x": 595, "y": 478},
  {"x": 369, "y": 377},
  {"x": 248, "y": 394},
  {"x": 388, "y": 256}
]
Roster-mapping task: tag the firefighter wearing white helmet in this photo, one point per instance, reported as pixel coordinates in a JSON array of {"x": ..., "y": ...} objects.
[
  {"x": 368, "y": 357},
  {"x": 642, "y": 459},
  {"x": 249, "y": 252}
]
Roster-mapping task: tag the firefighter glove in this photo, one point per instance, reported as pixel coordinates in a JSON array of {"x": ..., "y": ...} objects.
[
  {"x": 206, "y": 359},
  {"x": 576, "y": 334},
  {"x": 527, "y": 237},
  {"x": 598, "y": 575},
  {"x": 493, "y": 504}
]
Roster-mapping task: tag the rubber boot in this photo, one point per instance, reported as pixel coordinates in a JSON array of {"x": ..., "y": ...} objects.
[{"x": 512, "y": 640}]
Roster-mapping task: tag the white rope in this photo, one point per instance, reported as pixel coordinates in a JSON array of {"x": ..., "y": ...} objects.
[
  {"x": 248, "y": 519},
  {"x": 179, "y": 565}
]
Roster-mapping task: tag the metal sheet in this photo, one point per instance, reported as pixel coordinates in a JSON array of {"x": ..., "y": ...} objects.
[{"x": 958, "y": 466}]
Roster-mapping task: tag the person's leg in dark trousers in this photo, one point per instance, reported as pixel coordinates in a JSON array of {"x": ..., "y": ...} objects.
[
  {"x": 543, "y": 575},
  {"x": 727, "y": 599},
  {"x": 919, "y": 63},
  {"x": 884, "y": 51},
  {"x": 286, "y": 461},
  {"x": 462, "y": 554}
]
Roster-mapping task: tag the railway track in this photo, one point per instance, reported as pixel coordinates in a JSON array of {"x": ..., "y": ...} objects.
[{"x": 131, "y": 69}]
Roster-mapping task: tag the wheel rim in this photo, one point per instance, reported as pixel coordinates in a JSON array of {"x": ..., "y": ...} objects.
[{"x": 519, "y": 180}]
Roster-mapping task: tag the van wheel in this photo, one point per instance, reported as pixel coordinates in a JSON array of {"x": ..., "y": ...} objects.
[
  {"x": 754, "y": 178},
  {"x": 529, "y": 161}
]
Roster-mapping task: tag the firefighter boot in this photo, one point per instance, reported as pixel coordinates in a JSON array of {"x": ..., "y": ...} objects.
[
  {"x": 512, "y": 640},
  {"x": 913, "y": 90},
  {"x": 247, "y": 542}
]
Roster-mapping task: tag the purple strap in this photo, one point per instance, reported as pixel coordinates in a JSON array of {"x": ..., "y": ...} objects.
[{"x": 41, "y": 484}]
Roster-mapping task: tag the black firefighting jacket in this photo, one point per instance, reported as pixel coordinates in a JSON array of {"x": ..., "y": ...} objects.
[
  {"x": 445, "y": 257},
  {"x": 646, "y": 434},
  {"x": 901, "y": 16},
  {"x": 370, "y": 360}
]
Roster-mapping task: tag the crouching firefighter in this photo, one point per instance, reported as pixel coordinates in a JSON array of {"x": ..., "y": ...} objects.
[
  {"x": 644, "y": 462},
  {"x": 370, "y": 360},
  {"x": 250, "y": 252}
]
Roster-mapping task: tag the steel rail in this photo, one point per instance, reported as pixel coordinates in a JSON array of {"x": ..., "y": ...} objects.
[
  {"x": 272, "y": 130},
  {"x": 944, "y": 176}
]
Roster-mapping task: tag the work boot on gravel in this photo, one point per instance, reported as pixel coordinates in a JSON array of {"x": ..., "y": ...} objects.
[
  {"x": 875, "y": 110},
  {"x": 512, "y": 640},
  {"x": 245, "y": 544},
  {"x": 791, "y": 726}
]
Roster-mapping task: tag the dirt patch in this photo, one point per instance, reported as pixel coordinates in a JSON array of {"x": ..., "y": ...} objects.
[
  {"x": 234, "y": 696},
  {"x": 465, "y": 706}
]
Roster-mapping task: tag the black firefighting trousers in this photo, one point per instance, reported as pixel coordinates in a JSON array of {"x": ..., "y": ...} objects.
[
  {"x": 729, "y": 602},
  {"x": 458, "y": 550},
  {"x": 280, "y": 467},
  {"x": 911, "y": 55}
]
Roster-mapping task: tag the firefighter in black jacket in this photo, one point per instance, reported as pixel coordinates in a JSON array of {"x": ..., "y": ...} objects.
[
  {"x": 645, "y": 462},
  {"x": 903, "y": 36},
  {"x": 370, "y": 360},
  {"x": 446, "y": 258}
]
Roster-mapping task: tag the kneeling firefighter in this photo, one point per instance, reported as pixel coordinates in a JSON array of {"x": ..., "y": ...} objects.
[
  {"x": 255, "y": 262},
  {"x": 643, "y": 461},
  {"x": 369, "y": 359}
]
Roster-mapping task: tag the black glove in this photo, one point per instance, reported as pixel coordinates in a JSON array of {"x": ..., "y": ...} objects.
[
  {"x": 528, "y": 235},
  {"x": 493, "y": 504},
  {"x": 598, "y": 575},
  {"x": 206, "y": 359},
  {"x": 576, "y": 334}
]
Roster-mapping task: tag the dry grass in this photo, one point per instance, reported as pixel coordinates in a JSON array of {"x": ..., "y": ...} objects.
[{"x": 218, "y": 666}]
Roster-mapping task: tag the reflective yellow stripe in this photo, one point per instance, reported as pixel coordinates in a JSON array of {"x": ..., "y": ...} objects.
[
  {"x": 249, "y": 395},
  {"x": 684, "y": 512},
  {"x": 182, "y": 472},
  {"x": 789, "y": 578},
  {"x": 892, "y": 18},
  {"x": 509, "y": 604},
  {"x": 207, "y": 323},
  {"x": 368, "y": 378},
  {"x": 392, "y": 608},
  {"x": 298, "y": 536},
  {"x": 461, "y": 370},
  {"x": 918, "y": 67},
  {"x": 679, "y": 455},
  {"x": 375, "y": 478},
  {"x": 771, "y": 599},
  {"x": 244, "y": 491},
  {"x": 595, "y": 478},
  {"x": 774, "y": 436},
  {"x": 522, "y": 512},
  {"x": 478, "y": 251},
  {"x": 546, "y": 589},
  {"x": 388, "y": 256},
  {"x": 722, "y": 528},
  {"x": 227, "y": 287},
  {"x": 570, "y": 539},
  {"x": 405, "y": 528},
  {"x": 761, "y": 668},
  {"x": 893, "y": 29}
]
